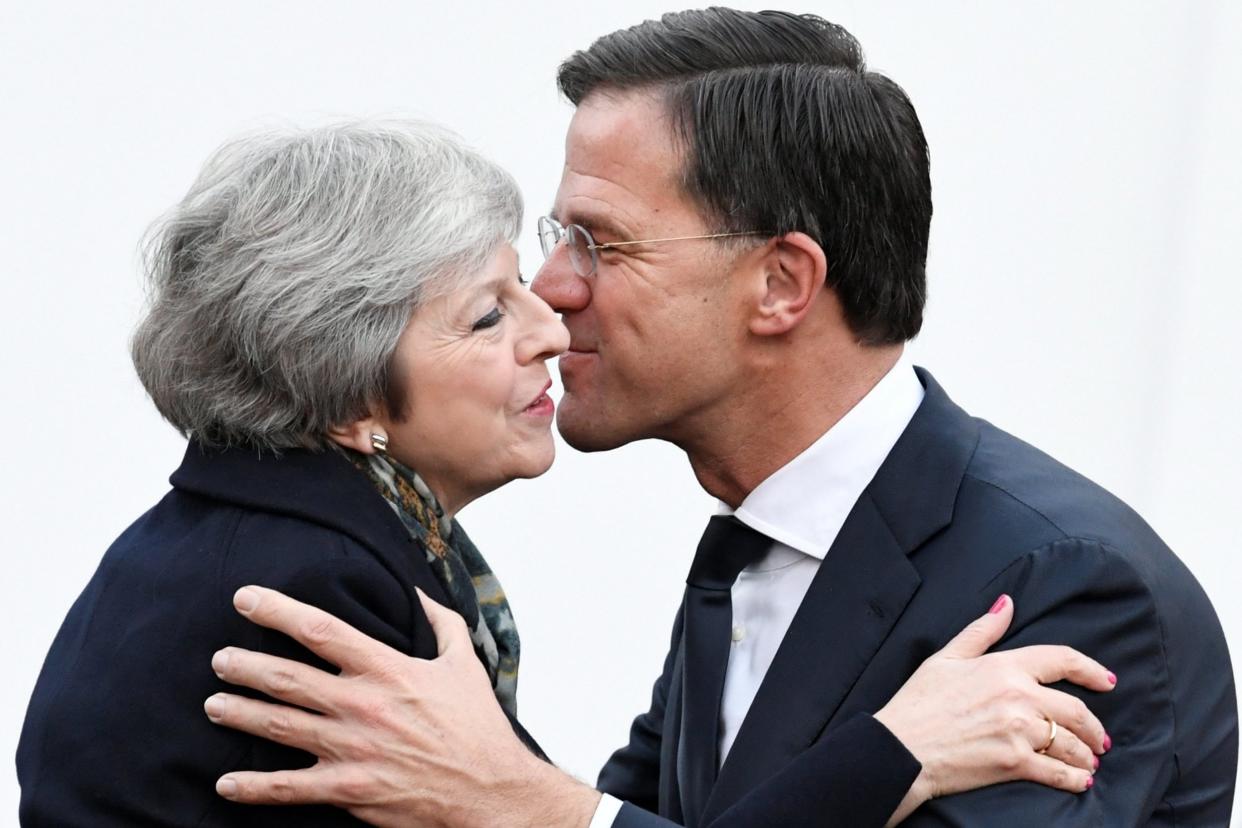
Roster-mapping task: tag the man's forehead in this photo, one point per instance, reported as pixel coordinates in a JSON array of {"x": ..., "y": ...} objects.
[{"x": 618, "y": 163}]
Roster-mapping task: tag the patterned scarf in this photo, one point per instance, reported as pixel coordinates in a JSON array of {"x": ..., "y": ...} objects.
[{"x": 473, "y": 590}]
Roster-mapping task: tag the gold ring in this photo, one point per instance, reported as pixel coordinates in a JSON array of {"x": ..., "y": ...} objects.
[{"x": 1052, "y": 735}]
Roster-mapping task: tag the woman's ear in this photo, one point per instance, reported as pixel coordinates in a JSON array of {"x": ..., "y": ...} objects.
[
  {"x": 793, "y": 277},
  {"x": 359, "y": 435}
]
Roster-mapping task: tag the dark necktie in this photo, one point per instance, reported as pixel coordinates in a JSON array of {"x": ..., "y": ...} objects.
[{"x": 727, "y": 547}]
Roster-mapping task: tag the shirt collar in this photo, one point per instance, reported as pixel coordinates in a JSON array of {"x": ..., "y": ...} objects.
[{"x": 804, "y": 503}]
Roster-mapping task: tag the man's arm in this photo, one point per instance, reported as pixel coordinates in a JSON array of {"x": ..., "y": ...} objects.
[
  {"x": 426, "y": 714},
  {"x": 1083, "y": 594}
]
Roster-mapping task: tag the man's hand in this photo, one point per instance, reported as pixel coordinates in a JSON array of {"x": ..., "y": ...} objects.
[{"x": 400, "y": 741}]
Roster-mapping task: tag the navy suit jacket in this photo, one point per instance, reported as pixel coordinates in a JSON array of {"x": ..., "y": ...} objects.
[
  {"x": 960, "y": 513},
  {"x": 115, "y": 734}
]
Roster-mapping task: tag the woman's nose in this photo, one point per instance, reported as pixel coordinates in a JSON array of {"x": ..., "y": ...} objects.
[{"x": 547, "y": 337}]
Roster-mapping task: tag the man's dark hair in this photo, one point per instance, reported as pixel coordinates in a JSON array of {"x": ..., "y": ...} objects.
[{"x": 785, "y": 130}]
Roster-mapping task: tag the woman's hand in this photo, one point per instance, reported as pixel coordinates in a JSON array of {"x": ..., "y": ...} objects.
[
  {"x": 400, "y": 740},
  {"x": 975, "y": 720}
]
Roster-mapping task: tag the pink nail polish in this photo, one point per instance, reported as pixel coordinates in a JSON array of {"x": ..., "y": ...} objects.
[
  {"x": 1108, "y": 743},
  {"x": 1112, "y": 678},
  {"x": 1095, "y": 763},
  {"x": 1090, "y": 782},
  {"x": 999, "y": 605}
]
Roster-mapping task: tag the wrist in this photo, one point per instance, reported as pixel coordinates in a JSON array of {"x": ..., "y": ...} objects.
[
  {"x": 554, "y": 799},
  {"x": 922, "y": 790}
]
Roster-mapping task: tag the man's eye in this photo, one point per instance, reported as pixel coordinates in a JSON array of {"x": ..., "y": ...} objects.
[{"x": 491, "y": 320}]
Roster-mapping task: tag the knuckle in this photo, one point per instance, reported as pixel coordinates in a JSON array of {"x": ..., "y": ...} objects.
[
  {"x": 359, "y": 749},
  {"x": 1013, "y": 761},
  {"x": 1013, "y": 693},
  {"x": 281, "y": 681},
  {"x": 280, "y": 790},
  {"x": 354, "y": 787},
  {"x": 279, "y": 725},
  {"x": 319, "y": 630},
  {"x": 371, "y": 712},
  {"x": 1082, "y": 716},
  {"x": 1060, "y": 777},
  {"x": 382, "y": 668},
  {"x": 1017, "y": 725}
]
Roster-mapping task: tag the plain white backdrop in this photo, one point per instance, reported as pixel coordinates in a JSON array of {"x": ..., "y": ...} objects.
[{"x": 1083, "y": 274}]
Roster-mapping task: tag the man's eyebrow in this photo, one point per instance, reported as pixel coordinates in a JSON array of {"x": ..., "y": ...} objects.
[{"x": 597, "y": 223}]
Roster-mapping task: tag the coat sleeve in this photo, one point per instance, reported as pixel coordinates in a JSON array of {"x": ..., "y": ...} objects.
[
  {"x": 1091, "y": 597},
  {"x": 340, "y": 578}
]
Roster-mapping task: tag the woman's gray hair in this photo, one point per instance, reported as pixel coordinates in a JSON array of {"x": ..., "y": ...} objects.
[{"x": 281, "y": 283}]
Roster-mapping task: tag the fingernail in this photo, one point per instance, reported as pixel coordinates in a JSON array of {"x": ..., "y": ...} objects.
[
  {"x": 999, "y": 605},
  {"x": 226, "y": 787},
  {"x": 246, "y": 599},
  {"x": 220, "y": 662},
  {"x": 1090, "y": 782},
  {"x": 1095, "y": 763},
  {"x": 1112, "y": 678},
  {"x": 215, "y": 708},
  {"x": 1108, "y": 743}
]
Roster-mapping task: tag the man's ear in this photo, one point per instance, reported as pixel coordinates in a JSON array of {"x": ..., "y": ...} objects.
[
  {"x": 793, "y": 277},
  {"x": 357, "y": 435}
]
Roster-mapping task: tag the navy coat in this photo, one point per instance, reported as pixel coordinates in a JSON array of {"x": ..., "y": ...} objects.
[{"x": 115, "y": 734}]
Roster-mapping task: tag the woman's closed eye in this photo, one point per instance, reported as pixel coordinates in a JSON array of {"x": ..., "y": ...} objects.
[{"x": 490, "y": 320}]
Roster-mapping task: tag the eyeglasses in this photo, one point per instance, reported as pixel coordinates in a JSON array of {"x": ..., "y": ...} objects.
[{"x": 583, "y": 249}]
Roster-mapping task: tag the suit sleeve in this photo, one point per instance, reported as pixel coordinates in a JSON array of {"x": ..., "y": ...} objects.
[
  {"x": 854, "y": 777},
  {"x": 1089, "y": 597},
  {"x": 632, "y": 774}
]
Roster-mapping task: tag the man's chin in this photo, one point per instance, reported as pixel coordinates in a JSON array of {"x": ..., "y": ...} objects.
[{"x": 585, "y": 431}]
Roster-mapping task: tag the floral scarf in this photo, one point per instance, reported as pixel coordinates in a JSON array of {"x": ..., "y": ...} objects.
[{"x": 473, "y": 590}]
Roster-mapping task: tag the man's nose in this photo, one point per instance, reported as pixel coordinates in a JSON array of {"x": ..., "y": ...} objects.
[{"x": 557, "y": 284}]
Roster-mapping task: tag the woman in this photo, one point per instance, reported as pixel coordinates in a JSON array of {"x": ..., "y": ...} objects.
[{"x": 338, "y": 325}]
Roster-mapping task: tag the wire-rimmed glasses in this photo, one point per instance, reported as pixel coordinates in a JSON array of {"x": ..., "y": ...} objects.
[{"x": 584, "y": 250}]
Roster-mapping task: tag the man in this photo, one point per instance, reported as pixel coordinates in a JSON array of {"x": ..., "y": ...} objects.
[{"x": 737, "y": 248}]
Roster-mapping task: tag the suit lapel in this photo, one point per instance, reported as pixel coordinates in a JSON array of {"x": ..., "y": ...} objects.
[
  {"x": 670, "y": 743},
  {"x": 861, "y": 589}
]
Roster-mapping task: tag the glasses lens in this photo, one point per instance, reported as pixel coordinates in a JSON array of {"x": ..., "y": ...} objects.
[
  {"x": 549, "y": 235},
  {"x": 581, "y": 250}
]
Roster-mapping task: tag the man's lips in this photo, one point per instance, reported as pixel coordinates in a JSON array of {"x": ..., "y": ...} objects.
[{"x": 574, "y": 356}]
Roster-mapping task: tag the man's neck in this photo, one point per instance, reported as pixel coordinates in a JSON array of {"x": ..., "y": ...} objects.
[{"x": 777, "y": 418}]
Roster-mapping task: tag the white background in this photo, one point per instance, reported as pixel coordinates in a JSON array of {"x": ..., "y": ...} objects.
[{"x": 1083, "y": 270}]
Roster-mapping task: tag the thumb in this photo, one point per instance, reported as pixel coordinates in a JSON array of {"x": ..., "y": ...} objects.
[
  {"x": 448, "y": 626},
  {"x": 983, "y": 632}
]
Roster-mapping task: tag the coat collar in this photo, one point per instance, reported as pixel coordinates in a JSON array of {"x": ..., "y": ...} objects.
[
  {"x": 317, "y": 486},
  {"x": 862, "y": 588}
]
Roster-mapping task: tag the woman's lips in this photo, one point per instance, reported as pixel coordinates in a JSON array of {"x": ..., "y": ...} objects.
[{"x": 541, "y": 406}]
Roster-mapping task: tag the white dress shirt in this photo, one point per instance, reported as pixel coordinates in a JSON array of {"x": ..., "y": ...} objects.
[{"x": 802, "y": 507}]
